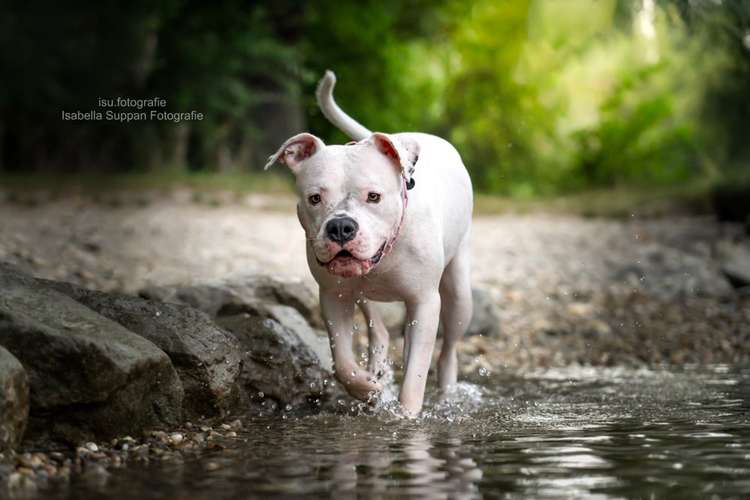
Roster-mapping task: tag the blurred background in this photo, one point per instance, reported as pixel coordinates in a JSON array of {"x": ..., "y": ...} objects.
[
  {"x": 543, "y": 98},
  {"x": 609, "y": 146},
  {"x": 608, "y": 143}
]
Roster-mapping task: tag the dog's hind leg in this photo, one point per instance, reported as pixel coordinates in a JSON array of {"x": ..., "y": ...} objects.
[
  {"x": 455, "y": 313},
  {"x": 378, "y": 339}
]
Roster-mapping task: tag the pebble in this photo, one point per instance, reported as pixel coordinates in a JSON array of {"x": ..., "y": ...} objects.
[
  {"x": 176, "y": 438},
  {"x": 96, "y": 459}
]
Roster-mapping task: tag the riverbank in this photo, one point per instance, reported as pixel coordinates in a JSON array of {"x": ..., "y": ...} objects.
[{"x": 567, "y": 289}]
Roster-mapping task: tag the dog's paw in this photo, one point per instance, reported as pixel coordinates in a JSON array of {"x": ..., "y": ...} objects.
[{"x": 360, "y": 383}]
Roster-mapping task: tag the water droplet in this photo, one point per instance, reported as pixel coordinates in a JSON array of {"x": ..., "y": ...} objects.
[
  {"x": 371, "y": 323},
  {"x": 288, "y": 407},
  {"x": 483, "y": 372},
  {"x": 261, "y": 394}
]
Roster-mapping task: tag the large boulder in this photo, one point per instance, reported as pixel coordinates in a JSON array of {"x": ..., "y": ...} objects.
[
  {"x": 242, "y": 295},
  {"x": 285, "y": 358},
  {"x": 206, "y": 357},
  {"x": 290, "y": 303},
  {"x": 278, "y": 363},
  {"x": 14, "y": 401},
  {"x": 90, "y": 377}
]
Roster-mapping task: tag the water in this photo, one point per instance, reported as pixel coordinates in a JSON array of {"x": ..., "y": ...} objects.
[{"x": 568, "y": 433}]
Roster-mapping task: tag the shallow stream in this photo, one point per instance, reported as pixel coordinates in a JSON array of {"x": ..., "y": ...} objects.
[{"x": 563, "y": 433}]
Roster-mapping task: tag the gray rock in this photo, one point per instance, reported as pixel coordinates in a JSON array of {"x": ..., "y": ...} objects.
[
  {"x": 736, "y": 265},
  {"x": 89, "y": 376},
  {"x": 278, "y": 363},
  {"x": 207, "y": 298},
  {"x": 14, "y": 401},
  {"x": 242, "y": 295},
  {"x": 315, "y": 340},
  {"x": 486, "y": 317},
  {"x": 668, "y": 273},
  {"x": 206, "y": 357}
]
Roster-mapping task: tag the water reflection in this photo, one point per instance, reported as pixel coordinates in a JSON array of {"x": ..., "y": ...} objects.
[{"x": 413, "y": 464}]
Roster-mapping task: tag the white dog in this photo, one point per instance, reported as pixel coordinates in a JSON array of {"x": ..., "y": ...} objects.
[{"x": 387, "y": 218}]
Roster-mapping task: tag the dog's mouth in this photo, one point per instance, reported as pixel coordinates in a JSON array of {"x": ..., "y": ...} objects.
[{"x": 345, "y": 255}]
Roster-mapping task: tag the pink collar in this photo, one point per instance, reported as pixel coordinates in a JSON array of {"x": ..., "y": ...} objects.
[{"x": 392, "y": 240}]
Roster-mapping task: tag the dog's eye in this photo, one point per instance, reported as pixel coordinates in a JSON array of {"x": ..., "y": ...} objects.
[
  {"x": 373, "y": 197},
  {"x": 314, "y": 199}
]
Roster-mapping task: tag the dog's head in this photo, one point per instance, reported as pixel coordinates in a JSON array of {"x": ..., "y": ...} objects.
[{"x": 351, "y": 197}]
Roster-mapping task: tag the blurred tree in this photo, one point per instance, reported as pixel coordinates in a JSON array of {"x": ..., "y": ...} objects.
[
  {"x": 228, "y": 62},
  {"x": 225, "y": 61},
  {"x": 384, "y": 54},
  {"x": 64, "y": 56},
  {"x": 540, "y": 96},
  {"x": 726, "y": 106}
]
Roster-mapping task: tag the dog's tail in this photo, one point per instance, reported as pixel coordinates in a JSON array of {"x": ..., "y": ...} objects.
[{"x": 334, "y": 113}]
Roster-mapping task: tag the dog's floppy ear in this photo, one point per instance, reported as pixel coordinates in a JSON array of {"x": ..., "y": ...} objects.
[
  {"x": 295, "y": 150},
  {"x": 404, "y": 153}
]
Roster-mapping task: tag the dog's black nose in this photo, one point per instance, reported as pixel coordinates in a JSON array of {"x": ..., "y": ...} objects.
[{"x": 341, "y": 229}]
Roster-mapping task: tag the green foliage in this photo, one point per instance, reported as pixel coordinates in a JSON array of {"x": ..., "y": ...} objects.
[
  {"x": 555, "y": 96},
  {"x": 637, "y": 139},
  {"x": 540, "y": 96}
]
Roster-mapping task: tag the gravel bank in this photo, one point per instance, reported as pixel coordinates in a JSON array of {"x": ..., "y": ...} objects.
[{"x": 571, "y": 290}]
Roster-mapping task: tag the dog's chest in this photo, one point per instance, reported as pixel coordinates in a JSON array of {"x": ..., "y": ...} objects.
[{"x": 380, "y": 288}]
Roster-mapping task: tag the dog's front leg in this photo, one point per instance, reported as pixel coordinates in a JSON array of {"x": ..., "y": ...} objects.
[
  {"x": 421, "y": 330},
  {"x": 338, "y": 311}
]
